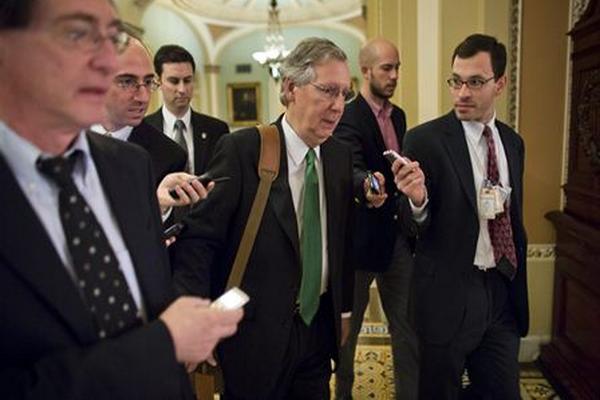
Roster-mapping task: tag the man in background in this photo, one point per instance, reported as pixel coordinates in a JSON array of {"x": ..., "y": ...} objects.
[
  {"x": 196, "y": 133},
  {"x": 126, "y": 104},
  {"x": 86, "y": 308},
  {"x": 371, "y": 124},
  {"x": 470, "y": 262}
]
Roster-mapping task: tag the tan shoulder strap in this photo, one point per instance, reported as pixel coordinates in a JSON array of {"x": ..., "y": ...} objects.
[{"x": 268, "y": 169}]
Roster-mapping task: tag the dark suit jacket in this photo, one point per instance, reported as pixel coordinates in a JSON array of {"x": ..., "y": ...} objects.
[
  {"x": 205, "y": 252},
  {"x": 448, "y": 238},
  {"x": 376, "y": 228},
  {"x": 49, "y": 348},
  {"x": 167, "y": 156},
  {"x": 207, "y": 131}
]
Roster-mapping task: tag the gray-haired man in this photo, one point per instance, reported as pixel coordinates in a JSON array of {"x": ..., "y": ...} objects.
[{"x": 298, "y": 293}]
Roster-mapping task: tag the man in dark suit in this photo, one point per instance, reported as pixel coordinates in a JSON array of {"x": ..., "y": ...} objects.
[
  {"x": 371, "y": 124},
  {"x": 299, "y": 276},
  {"x": 126, "y": 104},
  {"x": 86, "y": 304},
  {"x": 470, "y": 263},
  {"x": 196, "y": 133}
]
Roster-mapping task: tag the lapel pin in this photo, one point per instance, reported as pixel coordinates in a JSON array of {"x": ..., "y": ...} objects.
[{"x": 203, "y": 135}]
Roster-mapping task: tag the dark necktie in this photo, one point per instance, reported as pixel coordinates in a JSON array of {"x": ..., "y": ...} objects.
[
  {"x": 500, "y": 228},
  {"x": 180, "y": 139},
  {"x": 310, "y": 288},
  {"x": 99, "y": 277}
]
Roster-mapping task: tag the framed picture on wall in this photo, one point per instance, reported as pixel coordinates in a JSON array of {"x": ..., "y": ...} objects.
[{"x": 243, "y": 103}]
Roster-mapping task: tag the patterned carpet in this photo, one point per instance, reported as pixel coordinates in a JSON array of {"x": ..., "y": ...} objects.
[{"x": 374, "y": 373}]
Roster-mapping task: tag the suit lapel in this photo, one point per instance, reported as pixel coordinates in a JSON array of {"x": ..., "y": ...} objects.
[
  {"x": 511, "y": 154},
  {"x": 458, "y": 152},
  {"x": 372, "y": 122},
  {"x": 281, "y": 197},
  {"x": 200, "y": 147},
  {"x": 122, "y": 203},
  {"x": 41, "y": 269}
]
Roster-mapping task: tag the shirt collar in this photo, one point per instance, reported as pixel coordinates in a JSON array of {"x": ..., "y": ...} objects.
[
  {"x": 296, "y": 148},
  {"x": 384, "y": 110},
  {"x": 21, "y": 155},
  {"x": 170, "y": 118},
  {"x": 474, "y": 129},
  {"x": 122, "y": 134}
]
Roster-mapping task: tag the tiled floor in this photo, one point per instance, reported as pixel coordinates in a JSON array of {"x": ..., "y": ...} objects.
[{"x": 374, "y": 373}]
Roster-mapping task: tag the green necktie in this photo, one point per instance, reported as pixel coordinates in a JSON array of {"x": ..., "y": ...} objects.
[{"x": 310, "y": 288}]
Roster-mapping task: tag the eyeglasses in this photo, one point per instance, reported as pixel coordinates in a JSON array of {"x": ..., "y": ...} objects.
[
  {"x": 84, "y": 36},
  {"x": 472, "y": 83},
  {"x": 130, "y": 84},
  {"x": 332, "y": 92}
]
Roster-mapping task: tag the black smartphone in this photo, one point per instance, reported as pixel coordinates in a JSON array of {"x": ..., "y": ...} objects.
[
  {"x": 392, "y": 155},
  {"x": 204, "y": 180},
  {"x": 173, "y": 230},
  {"x": 373, "y": 183}
]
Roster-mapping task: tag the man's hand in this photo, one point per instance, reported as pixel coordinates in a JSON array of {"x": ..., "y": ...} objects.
[
  {"x": 196, "y": 329},
  {"x": 410, "y": 180},
  {"x": 375, "y": 199},
  {"x": 188, "y": 188},
  {"x": 345, "y": 332}
]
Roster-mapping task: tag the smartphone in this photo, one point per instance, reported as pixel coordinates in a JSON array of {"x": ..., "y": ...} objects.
[
  {"x": 173, "y": 230},
  {"x": 392, "y": 155},
  {"x": 204, "y": 179},
  {"x": 373, "y": 183},
  {"x": 232, "y": 299}
]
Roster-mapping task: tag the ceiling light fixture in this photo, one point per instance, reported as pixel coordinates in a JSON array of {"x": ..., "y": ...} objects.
[{"x": 274, "y": 51}]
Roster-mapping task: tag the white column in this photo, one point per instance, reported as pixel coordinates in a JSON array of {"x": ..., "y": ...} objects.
[{"x": 428, "y": 59}]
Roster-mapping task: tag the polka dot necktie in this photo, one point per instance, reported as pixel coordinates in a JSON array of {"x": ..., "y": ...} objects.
[
  {"x": 97, "y": 271},
  {"x": 310, "y": 243},
  {"x": 500, "y": 228}
]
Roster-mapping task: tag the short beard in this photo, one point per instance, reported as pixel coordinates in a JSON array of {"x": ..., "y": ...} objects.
[{"x": 375, "y": 91}]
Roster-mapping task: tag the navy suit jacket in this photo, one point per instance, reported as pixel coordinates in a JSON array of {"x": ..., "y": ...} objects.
[
  {"x": 207, "y": 131},
  {"x": 448, "y": 237},
  {"x": 49, "y": 348},
  {"x": 376, "y": 228},
  {"x": 167, "y": 156}
]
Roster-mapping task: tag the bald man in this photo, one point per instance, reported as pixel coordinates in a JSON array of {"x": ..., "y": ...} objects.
[{"x": 371, "y": 124}]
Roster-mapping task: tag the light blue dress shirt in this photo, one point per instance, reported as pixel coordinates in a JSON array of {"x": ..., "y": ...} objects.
[{"x": 42, "y": 194}]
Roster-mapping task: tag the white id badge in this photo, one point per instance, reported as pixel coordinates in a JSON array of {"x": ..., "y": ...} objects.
[
  {"x": 487, "y": 203},
  {"x": 499, "y": 200}
]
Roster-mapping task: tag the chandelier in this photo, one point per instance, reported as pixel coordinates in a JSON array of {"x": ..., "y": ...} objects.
[{"x": 274, "y": 51}]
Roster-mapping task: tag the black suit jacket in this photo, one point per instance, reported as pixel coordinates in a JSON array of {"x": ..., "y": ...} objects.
[
  {"x": 376, "y": 228},
  {"x": 205, "y": 252},
  {"x": 448, "y": 238},
  {"x": 49, "y": 348},
  {"x": 167, "y": 156},
  {"x": 207, "y": 131}
]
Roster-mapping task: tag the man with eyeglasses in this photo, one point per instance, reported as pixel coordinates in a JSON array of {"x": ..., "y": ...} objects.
[
  {"x": 371, "y": 124},
  {"x": 299, "y": 275},
  {"x": 126, "y": 104},
  {"x": 196, "y": 133},
  {"x": 87, "y": 308},
  {"x": 470, "y": 261}
]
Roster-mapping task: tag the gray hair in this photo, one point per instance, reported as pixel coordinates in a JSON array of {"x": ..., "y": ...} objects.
[{"x": 298, "y": 66}]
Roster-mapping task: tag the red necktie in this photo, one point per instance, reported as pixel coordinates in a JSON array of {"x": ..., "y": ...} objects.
[{"x": 500, "y": 228}]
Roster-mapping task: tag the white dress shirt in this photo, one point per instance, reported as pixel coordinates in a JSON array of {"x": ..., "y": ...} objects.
[
  {"x": 296, "y": 153},
  {"x": 169, "y": 120},
  {"x": 42, "y": 194},
  {"x": 478, "y": 153},
  {"x": 122, "y": 133}
]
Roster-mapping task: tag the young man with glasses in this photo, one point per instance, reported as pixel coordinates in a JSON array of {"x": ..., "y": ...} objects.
[
  {"x": 299, "y": 276},
  {"x": 87, "y": 308},
  {"x": 470, "y": 261},
  {"x": 126, "y": 104}
]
